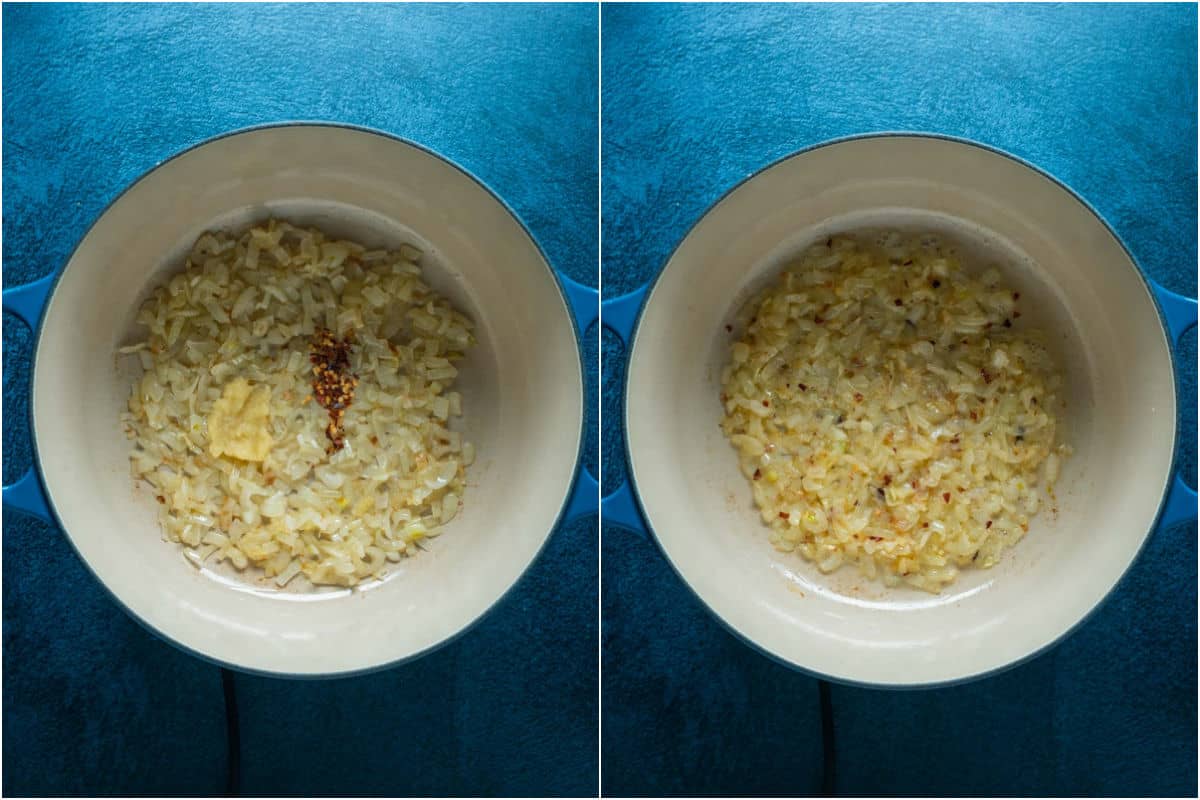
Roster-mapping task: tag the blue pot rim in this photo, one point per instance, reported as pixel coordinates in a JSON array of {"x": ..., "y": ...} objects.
[
  {"x": 649, "y": 288},
  {"x": 558, "y": 283}
]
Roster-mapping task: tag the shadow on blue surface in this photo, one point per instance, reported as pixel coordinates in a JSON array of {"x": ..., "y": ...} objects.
[
  {"x": 93, "y": 704},
  {"x": 508, "y": 709},
  {"x": 688, "y": 709}
]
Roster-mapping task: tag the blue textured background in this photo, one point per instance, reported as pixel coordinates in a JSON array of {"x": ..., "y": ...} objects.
[
  {"x": 93, "y": 97},
  {"x": 697, "y": 97}
]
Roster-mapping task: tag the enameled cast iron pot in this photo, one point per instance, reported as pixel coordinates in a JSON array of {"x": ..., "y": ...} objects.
[
  {"x": 522, "y": 387},
  {"x": 1112, "y": 328}
]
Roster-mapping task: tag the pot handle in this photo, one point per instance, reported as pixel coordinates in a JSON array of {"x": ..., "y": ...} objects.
[
  {"x": 585, "y": 307},
  {"x": 27, "y": 302},
  {"x": 26, "y": 495},
  {"x": 1180, "y": 313},
  {"x": 620, "y": 316}
]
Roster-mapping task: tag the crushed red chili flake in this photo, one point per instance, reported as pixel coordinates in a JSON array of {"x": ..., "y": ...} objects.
[
  {"x": 875, "y": 538},
  {"x": 783, "y": 515},
  {"x": 1016, "y": 295},
  {"x": 898, "y": 302},
  {"x": 989, "y": 524},
  {"x": 803, "y": 388},
  {"x": 887, "y": 480},
  {"x": 818, "y": 320},
  {"x": 946, "y": 496},
  {"x": 924, "y": 524},
  {"x": 858, "y": 398},
  {"x": 757, "y": 474},
  {"x": 766, "y": 403},
  {"x": 333, "y": 384}
]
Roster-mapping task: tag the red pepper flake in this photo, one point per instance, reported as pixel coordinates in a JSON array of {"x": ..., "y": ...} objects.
[
  {"x": 333, "y": 384},
  {"x": 955, "y": 440},
  {"x": 803, "y": 388},
  {"x": 989, "y": 524},
  {"x": 887, "y": 480},
  {"x": 974, "y": 417},
  {"x": 783, "y": 515},
  {"x": 914, "y": 485},
  {"x": 946, "y": 496},
  {"x": 898, "y": 302},
  {"x": 858, "y": 398},
  {"x": 875, "y": 538},
  {"x": 757, "y": 474},
  {"x": 160, "y": 499},
  {"x": 1016, "y": 295},
  {"x": 924, "y": 524},
  {"x": 766, "y": 403},
  {"x": 819, "y": 320}
]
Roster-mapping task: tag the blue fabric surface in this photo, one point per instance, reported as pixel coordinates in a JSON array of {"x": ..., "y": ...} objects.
[
  {"x": 94, "y": 96},
  {"x": 695, "y": 98}
]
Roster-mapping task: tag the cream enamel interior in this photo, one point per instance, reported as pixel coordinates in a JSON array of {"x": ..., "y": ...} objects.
[
  {"x": 522, "y": 389},
  {"x": 1082, "y": 289}
]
